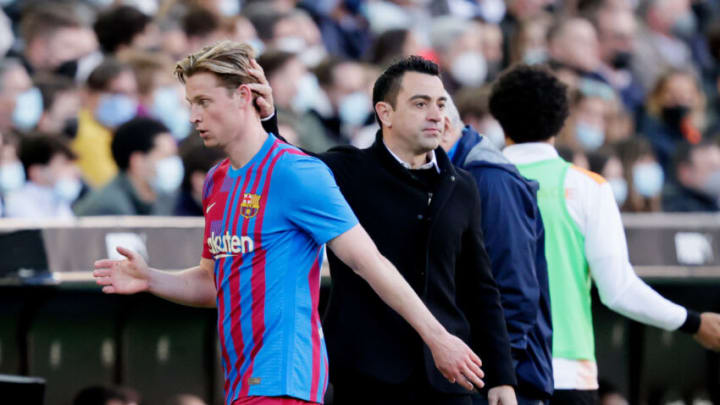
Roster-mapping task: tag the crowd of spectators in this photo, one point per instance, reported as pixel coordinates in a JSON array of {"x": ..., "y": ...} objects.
[{"x": 92, "y": 121}]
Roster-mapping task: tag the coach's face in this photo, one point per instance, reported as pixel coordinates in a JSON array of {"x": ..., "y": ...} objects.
[
  {"x": 417, "y": 120},
  {"x": 216, "y": 112}
]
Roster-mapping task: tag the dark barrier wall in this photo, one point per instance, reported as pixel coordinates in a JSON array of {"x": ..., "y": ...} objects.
[{"x": 57, "y": 325}]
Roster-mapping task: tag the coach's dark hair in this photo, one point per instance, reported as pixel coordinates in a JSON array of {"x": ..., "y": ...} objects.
[
  {"x": 387, "y": 86},
  {"x": 136, "y": 135},
  {"x": 530, "y": 103}
]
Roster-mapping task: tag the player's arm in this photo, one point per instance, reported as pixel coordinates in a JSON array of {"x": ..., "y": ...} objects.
[
  {"x": 193, "y": 287},
  {"x": 452, "y": 356},
  {"x": 622, "y": 290}
]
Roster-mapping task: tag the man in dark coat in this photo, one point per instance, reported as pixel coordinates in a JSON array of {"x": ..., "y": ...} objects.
[{"x": 425, "y": 217}]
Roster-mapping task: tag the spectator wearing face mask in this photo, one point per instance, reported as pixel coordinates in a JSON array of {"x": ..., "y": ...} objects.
[
  {"x": 110, "y": 100},
  {"x": 295, "y": 90},
  {"x": 573, "y": 46},
  {"x": 61, "y": 101},
  {"x": 20, "y": 102},
  {"x": 528, "y": 44},
  {"x": 54, "y": 34},
  {"x": 159, "y": 95},
  {"x": 150, "y": 173},
  {"x": 459, "y": 47},
  {"x": 472, "y": 105},
  {"x": 660, "y": 44},
  {"x": 586, "y": 126},
  {"x": 53, "y": 180},
  {"x": 675, "y": 115},
  {"x": 643, "y": 174},
  {"x": 616, "y": 30},
  {"x": 345, "y": 101},
  {"x": 697, "y": 179},
  {"x": 606, "y": 163},
  {"x": 519, "y": 12}
]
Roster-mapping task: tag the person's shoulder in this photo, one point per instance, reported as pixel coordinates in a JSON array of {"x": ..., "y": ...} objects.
[
  {"x": 588, "y": 184},
  {"x": 342, "y": 154}
]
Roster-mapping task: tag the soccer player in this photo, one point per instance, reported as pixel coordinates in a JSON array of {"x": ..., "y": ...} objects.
[
  {"x": 269, "y": 210},
  {"x": 584, "y": 236}
]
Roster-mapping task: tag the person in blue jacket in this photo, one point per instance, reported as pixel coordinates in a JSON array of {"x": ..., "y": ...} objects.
[{"x": 514, "y": 238}]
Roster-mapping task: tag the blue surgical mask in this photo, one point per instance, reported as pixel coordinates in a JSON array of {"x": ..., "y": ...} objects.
[
  {"x": 114, "y": 110},
  {"x": 28, "y": 109},
  {"x": 648, "y": 179},
  {"x": 620, "y": 189},
  {"x": 167, "y": 108},
  {"x": 67, "y": 189},
  {"x": 169, "y": 174},
  {"x": 685, "y": 26},
  {"x": 354, "y": 108},
  {"x": 589, "y": 136},
  {"x": 535, "y": 56},
  {"x": 12, "y": 177}
]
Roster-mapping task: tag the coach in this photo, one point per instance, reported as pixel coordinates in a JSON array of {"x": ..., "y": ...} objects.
[{"x": 424, "y": 216}]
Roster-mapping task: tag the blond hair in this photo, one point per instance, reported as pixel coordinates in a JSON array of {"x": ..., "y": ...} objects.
[{"x": 229, "y": 61}]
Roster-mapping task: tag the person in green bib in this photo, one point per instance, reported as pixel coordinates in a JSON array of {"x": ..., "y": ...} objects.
[{"x": 584, "y": 236}]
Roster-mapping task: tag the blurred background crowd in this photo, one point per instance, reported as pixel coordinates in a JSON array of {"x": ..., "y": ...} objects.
[{"x": 92, "y": 121}]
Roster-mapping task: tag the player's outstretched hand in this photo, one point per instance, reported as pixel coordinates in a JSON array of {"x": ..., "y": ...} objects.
[
  {"x": 264, "y": 98},
  {"x": 709, "y": 333},
  {"x": 457, "y": 362},
  {"x": 127, "y": 276}
]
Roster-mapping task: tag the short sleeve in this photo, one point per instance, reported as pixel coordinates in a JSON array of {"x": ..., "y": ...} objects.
[{"x": 313, "y": 199}]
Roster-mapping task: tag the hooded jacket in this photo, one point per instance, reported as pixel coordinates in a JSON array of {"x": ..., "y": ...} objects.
[{"x": 514, "y": 237}]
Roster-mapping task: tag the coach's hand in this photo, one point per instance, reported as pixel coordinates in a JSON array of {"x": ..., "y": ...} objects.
[
  {"x": 457, "y": 362},
  {"x": 709, "y": 333},
  {"x": 502, "y": 395},
  {"x": 127, "y": 276},
  {"x": 264, "y": 99}
]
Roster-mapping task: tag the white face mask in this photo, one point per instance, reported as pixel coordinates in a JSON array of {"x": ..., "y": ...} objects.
[
  {"x": 67, "y": 189},
  {"x": 308, "y": 93},
  {"x": 648, "y": 179},
  {"x": 354, "y": 108},
  {"x": 12, "y": 177},
  {"x": 469, "y": 69},
  {"x": 494, "y": 132},
  {"x": 169, "y": 174},
  {"x": 174, "y": 114},
  {"x": 620, "y": 190}
]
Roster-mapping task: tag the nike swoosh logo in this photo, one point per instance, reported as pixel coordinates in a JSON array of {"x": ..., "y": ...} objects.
[{"x": 209, "y": 208}]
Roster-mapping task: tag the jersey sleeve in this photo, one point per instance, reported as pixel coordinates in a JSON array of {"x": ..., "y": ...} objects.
[{"x": 313, "y": 199}]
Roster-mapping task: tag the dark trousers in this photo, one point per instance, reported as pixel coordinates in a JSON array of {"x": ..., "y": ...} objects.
[
  {"x": 357, "y": 389},
  {"x": 521, "y": 400},
  {"x": 574, "y": 397}
]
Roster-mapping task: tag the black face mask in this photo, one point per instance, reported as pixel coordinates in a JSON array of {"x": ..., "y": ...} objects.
[
  {"x": 70, "y": 127},
  {"x": 673, "y": 116},
  {"x": 68, "y": 69},
  {"x": 621, "y": 60}
]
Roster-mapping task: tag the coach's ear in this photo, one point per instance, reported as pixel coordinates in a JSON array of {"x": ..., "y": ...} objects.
[{"x": 384, "y": 111}]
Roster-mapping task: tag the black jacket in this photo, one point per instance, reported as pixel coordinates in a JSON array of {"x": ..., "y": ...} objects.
[{"x": 439, "y": 250}]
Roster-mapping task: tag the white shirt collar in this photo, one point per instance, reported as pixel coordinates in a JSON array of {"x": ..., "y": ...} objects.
[
  {"x": 431, "y": 163},
  {"x": 531, "y": 152}
]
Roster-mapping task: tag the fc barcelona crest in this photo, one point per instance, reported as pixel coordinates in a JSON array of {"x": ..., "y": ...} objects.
[{"x": 250, "y": 205}]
